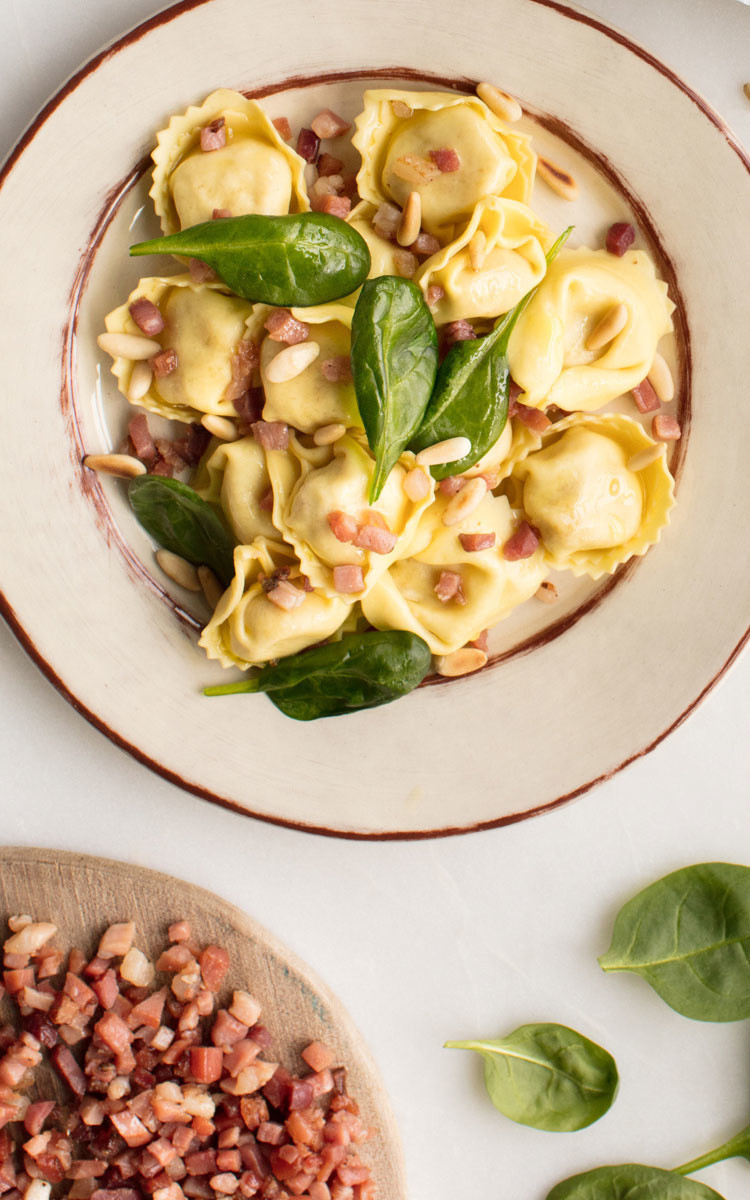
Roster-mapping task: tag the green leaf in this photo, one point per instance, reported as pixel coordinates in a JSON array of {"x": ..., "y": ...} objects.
[
  {"x": 688, "y": 935},
  {"x": 631, "y": 1182},
  {"x": 180, "y": 521},
  {"x": 547, "y": 1076},
  {"x": 301, "y": 259},
  {"x": 363, "y": 670},
  {"x": 470, "y": 397},
  {"x": 394, "y": 362}
]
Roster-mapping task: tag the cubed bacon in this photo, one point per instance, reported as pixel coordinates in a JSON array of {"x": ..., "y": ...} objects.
[
  {"x": 86, "y": 1168},
  {"x": 164, "y": 363},
  {"x": 435, "y": 294},
  {"x": 336, "y": 206},
  {"x": 191, "y": 447},
  {"x": 16, "y": 980},
  {"x": 214, "y": 964},
  {"x": 452, "y": 484},
  {"x": 482, "y": 642},
  {"x": 266, "y": 501},
  {"x": 146, "y": 316},
  {"x": 175, "y": 958},
  {"x": 308, "y": 145},
  {"x": 227, "y": 1029},
  {"x": 149, "y": 1011},
  {"x": 283, "y": 128},
  {"x": 522, "y": 544},
  {"x": 342, "y": 526},
  {"x": 665, "y": 428},
  {"x": 229, "y": 1160},
  {"x": 272, "y": 435},
  {"x": 271, "y": 1133},
  {"x": 329, "y": 124},
  {"x": 375, "y": 539},
  {"x": 68, "y": 1069},
  {"x": 425, "y": 246},
  {"x": 338, "y": 369},
  {"x": 107, "y": 989},
  {"x": 221, "y": 214},
  {"x": 472, "y": 542},
  {"x": 179, "y": 931},
  {"x": 79, "y": 992},
  {"x": 300, "y": 1094},
  {"x": 143, "y": 444},
  {"x": 386, "y": 221},
  {"x": 64, "y": 1010},
  {"x": 114, "y": 1032},
  {"x": 328, "y": 165},
  {"x": 214, "y": 136},
  {"x": 458, "y": 331},
  {"x": 645, "y": 397},
  {"x": 450, "y": 587},
  {"x": 118, "y": 1193},
  {"x": 348, "y": 579},
  {"x": 206, "y": 1063},
  {"x": 36, "y": 1115},
  {"x": 318, "y": 1056},
  {"x": 116, "y": 940},
  {"x": 620, "y": 237},
  {"x": 352, "y": 1171},
  {"x": 163, "y": 1151},
  {"x": 283, "y": 327},
  {"x": 446, "y": 159},
  {"x": 200, "y": 272},
  {"x": 532, "y": 418},
  {"x": 321, "y": 1082}
]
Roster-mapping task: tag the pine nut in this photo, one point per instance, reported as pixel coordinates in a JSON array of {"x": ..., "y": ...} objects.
[
  {"x": 612, "y": 323},
  {"x": 559, "y": 180},
  {"x": 451, "y": 450},
  {"x": 179, "y": 570},
  {"x": 501, "y": 103},
  {"x": 416, "y": 484},
  {"x": 212, "y": 589},
  {"x": 140, "y": 381},
  {"x": 660, "y": 378},
  {"x": 401, "y": 110},
  {"x": 328, "y": 434},
  {"x": 220, "y": 427},
  {"x": 123, "y": 466},
  {"x": 465, "y": 501},
  {"x": 546, "y": 592},
  {"x": 477, "y": 250},
  {"x": 460, "y": 662},
  {"x": 644, "y": 458},
  {"x": 128, "y": 345},
  {"x": 292, "y": 361},
  {"x": 411, "y": 220}
]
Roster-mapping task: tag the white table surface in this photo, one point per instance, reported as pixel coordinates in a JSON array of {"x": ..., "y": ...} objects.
[{"x": 455, "y": 938}]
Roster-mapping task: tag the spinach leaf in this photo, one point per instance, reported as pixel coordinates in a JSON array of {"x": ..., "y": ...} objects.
[
  {"x": 301, "y": 259},
  {"x": 688, "y": 935},
  {"x": 631, "y": 1182},
  {"x": 394, "y": 362},
  {"x": 180, "y": 521},
  {"x": 363, "y": 670},
  {"x": 547, "y": 1076},
  {"x": 470, "y": 398}
]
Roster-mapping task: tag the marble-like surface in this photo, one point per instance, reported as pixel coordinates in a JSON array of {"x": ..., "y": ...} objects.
[{"x": 446, "y": 939}]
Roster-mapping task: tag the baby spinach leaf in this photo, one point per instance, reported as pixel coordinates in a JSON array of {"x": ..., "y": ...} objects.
[
  {"x": 688, "y": 935},
  {"x": 394, "y": 362},
  {"x": 547, "y": 1076},
  {"x": 470, "y": 397},
  {"x": 179, "y": 520},
  {"x": 631, "y": 1182},
  {"x": 301, "y": 259},
  {"x": 363, "y": 670}
]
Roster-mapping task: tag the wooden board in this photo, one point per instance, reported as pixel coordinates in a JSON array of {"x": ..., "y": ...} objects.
[{"x": 82, "y": 895}]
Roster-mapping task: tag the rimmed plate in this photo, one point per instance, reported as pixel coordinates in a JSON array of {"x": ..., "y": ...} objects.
[{"x": 572, "y": 695}]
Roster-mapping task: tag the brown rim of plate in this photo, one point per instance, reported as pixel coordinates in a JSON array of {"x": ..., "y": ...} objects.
[{"x": 13, "y": 620}]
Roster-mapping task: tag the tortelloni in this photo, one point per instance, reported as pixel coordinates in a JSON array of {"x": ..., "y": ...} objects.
[
  {"x": 307, "y": 490},
  {"x": 383, "y": 254},
  {"x": 234, "y": 477},
  {"x": 311, "y": 400},
  {"x": 548, "y": 354},
  {"x": 203, "y": 326},
  {"x": 488, "y": 279},
  {"x": 253, "y": 172},
  {"x": 406, "y": 597},
  {"x": 246, "y": 629},
  {"x": 599, "y": 492},
  {"x": 399, "y": 134}
]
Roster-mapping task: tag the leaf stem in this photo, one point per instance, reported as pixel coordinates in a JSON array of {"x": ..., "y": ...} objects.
[
  {"x": 736, "y": 1147},
  {"x": 232, "y": 689},
  {"x": 508, "y": 324}
]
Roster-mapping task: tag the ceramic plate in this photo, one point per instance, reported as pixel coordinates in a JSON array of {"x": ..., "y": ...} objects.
[{"x": 572, "y": 692}]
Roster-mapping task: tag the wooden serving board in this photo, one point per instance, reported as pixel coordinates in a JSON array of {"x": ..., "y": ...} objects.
[{"x": 82, "y": 895}]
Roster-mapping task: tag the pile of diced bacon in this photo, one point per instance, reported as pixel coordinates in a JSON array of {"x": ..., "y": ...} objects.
[{"x": 168, "y": 1093}]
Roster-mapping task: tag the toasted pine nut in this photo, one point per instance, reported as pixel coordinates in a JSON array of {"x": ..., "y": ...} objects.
[
  {"x": 416, "y": 484},
  {"x": 644, "y": 458},
  {"x": 124, "y": 466},
  {"x": 292, "y": 361},
  {"x": 557, "y": 178},
  {"x": 220, "y": 427},
  {"x": 212, "y": 589},
  {"x": 477, "y": 250},
  {"x": 411, "y": 220},
  {"x": 660, "y": 378},
  {"x": 612, "y": 323},
  {"x": 179, "y": 570},
  {"x": 128, "y": 345},
  {"x": 140, "y": 381},
  {"x": 465, "y": 501},
  {"x": 460, "y": 662},
  {"x": 401, "y": 110},
  {"x": 327, "y": 434},
  {"x": 546, "y": 592},
  {"x": 501, "y": 103},
  {"x": 451, "y": 450}
]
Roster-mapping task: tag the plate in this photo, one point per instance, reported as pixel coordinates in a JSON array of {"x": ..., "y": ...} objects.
[
  {"x": 571, "y": 694},
  {"x": 83, "y": 894}
]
